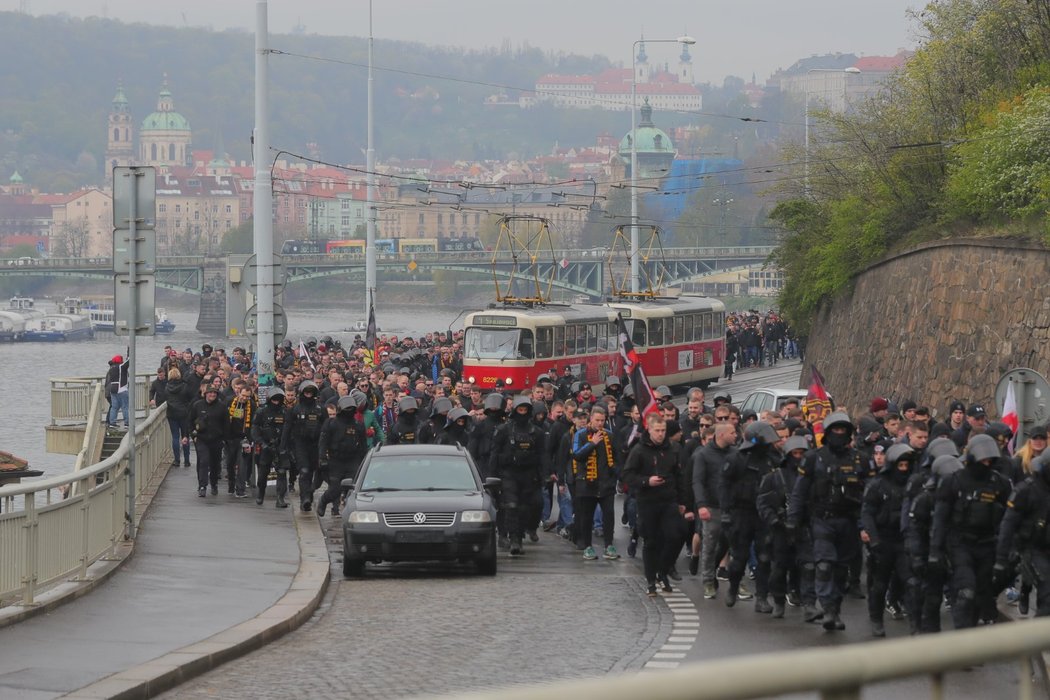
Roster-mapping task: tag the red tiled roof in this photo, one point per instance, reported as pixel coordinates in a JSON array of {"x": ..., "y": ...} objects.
[
  {"x": 614, "y": 75},
  {"x": 552, "y": 79}
]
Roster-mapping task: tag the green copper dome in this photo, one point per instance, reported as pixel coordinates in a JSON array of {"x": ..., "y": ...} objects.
[
  {"x": 650, "y": 138},
  {"x": 165, "y": 118}
]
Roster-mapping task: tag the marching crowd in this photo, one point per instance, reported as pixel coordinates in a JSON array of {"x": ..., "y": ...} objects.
[
  {"x": 804, "y": 505},
  {"x": 757, "y": 340}
]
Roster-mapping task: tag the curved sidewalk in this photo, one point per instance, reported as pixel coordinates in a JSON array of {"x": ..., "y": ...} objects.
[{"x": 211, "y": 579}]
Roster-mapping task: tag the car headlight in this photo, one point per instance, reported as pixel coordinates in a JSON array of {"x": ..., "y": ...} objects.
[
  {"x": 475, "y": 516},
  {"x": 363, "y": 516}
]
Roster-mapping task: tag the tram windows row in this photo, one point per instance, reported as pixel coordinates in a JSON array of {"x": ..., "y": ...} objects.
[{"x": 574, "y": 339}]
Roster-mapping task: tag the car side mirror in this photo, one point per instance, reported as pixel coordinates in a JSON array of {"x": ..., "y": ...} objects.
[
  {"x": 493, "y": 482},
  {"x": 347, "y": 483}
]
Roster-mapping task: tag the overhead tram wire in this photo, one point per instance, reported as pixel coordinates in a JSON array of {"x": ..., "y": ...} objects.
[{"x": 597, "y": 101}]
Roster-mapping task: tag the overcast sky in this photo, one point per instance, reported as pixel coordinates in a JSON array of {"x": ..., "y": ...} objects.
[{"x": 735, "y": 37}]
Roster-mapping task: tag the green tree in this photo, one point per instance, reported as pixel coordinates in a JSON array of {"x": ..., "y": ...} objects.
[{"x": 240, "y": 239}]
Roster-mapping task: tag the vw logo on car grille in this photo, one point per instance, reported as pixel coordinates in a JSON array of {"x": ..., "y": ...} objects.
[{"x": 419, "y": 518}]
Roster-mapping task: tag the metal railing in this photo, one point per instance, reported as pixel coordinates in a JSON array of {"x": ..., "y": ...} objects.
[
  {"x": 835, "y": 673},
  {"x": 56, "y": 528},
  {"x": 71, "y": 398}
]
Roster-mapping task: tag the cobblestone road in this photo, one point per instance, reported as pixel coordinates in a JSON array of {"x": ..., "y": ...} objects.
[{"x": 404, "y": 631}]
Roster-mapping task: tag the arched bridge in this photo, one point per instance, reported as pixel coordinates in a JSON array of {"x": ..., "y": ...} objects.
[{"x": 583, "y": 272}]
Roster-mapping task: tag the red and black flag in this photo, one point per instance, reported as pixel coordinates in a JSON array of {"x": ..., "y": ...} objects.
[
  {"x": 817, "y": 405},
  {"x": 632, "y": 366}
]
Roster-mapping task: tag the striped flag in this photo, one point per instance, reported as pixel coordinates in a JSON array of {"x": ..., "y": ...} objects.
[
  {"x": 304, "y": 354},
  {"x": 632, "y": 366}
]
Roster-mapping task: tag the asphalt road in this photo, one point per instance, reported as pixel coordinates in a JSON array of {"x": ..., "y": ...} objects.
[{"x": 407, "y": 630}]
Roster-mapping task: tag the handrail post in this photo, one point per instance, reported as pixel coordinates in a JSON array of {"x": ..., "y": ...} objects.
[
  {"x": 84, "y": 487},
  {"x": 1024, "y": 681},
  {"x": 32, "y": 540}
]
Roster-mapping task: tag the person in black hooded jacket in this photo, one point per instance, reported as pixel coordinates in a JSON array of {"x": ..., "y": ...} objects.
[
  {"x": 653, "y": 471},
  {"x": 178, "y": 396}
]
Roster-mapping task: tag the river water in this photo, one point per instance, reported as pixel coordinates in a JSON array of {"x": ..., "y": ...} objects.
[{"x": 27, "y": 367}]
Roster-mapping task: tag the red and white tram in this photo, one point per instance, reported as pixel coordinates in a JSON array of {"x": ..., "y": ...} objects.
[{"x": 680, "y": 340}]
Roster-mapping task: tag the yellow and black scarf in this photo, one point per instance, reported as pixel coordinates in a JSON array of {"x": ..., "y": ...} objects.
[{"x": 592, "y": 459}]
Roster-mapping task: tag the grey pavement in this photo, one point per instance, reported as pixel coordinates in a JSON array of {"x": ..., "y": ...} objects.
[
  {"x": 410, "y": 630},
  {"x": 201, "y": 566}
]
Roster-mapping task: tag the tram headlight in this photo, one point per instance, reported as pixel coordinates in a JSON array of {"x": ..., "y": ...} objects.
[
  {"x": 510, "y": 380},
  {"x": 470, "y": 379}
]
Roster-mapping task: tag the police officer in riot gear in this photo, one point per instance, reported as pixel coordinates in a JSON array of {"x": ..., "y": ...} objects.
[
  {"x": 829, "y": 491},
  {"x": 773, "y": 493},
  {"x": 302, "y": 431},
  {"x": 917, "y": 540},
  {"x": 432, "y": 428},
  {"x": 741, "y": 476},
  {"x": 342, "y": 444},
  {"x": 209, "y": 419},
  {"x": 406, "y": 428},
  {"x": 880, "y": 517},
  {"x": 480, "y": 444},
  {"x": 969, "y": 505},
  {"x": 517, "y": 459},
  {"x": 1024, "y": 528},
  {"x": 455, "y": 432},
  {"x": 267, "y": 429}
]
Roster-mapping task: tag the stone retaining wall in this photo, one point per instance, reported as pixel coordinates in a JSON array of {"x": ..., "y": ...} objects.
[{"x": 940, "y": 322}]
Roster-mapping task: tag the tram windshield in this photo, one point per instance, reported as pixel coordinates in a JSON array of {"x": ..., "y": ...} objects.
[{"x": 498, "y": 344}]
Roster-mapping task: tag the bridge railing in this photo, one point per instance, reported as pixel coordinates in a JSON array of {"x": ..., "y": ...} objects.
[
  {"x": 55, "y": 528},
  {"x": 571, "y": 254},
  {"x": 835, "y": 673}
]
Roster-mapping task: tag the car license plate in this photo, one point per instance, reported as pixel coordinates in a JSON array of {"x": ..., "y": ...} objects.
[{"x": 420, "y": 536}]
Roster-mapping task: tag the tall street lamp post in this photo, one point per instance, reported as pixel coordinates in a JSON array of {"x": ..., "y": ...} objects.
[{"x": 688, "y": 41}]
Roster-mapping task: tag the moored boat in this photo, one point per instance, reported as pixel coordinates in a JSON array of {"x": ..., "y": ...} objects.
[
  {"x": 162, "y": 324},
  {"x": 12, "y": 326},
  {"x": 55, "y": 328}
]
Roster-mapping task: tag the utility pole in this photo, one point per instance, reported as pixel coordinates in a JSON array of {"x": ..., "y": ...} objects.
[{"x": 262, "y": 209}]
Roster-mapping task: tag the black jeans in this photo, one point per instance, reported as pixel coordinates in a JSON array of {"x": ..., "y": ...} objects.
[
  {"x": 209, "y": 462},
  {"x": 585, "y": 519},
  {"x": 660, "y": 525}
]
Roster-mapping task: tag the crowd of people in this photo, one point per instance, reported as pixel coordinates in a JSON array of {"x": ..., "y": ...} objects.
[
  {"x": 790, "y": 508},
  {"x": 759, "y": 340}
]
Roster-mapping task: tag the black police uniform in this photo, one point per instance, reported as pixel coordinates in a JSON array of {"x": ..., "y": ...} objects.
[
  {"x": 342, "y": 443},
  {"x": 880, "y": 517},
  {"x": 969, "y": 505},
  {"x": 1024, "y": 527},
  {"x": 518, "y": 459},
  {"x": 774, "y": 491},
  {"x": 405, "y": 430},
  {"x": 741, "y": 475},
  {"x": 267, "y": 429},
  {"x": 829, "y": 491},
  {"x": 303, "y": 429}
]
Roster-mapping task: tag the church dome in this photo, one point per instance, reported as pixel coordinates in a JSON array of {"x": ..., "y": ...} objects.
[
  {"x": 651, "y": 139},
  {"x": 165, "y": 118}
]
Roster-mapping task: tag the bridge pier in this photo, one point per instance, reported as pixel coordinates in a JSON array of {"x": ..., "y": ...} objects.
[{"x": 212, "y": 316}]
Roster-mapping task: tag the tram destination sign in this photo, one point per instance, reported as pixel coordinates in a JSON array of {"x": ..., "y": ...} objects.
[{"x": 487, "y": 320}]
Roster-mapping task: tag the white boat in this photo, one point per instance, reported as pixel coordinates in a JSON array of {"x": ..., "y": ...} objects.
[
  {"x": 25, "y": 307},
  {"x": 101, "y": 317},
  {"x": 162, "y": 324},
  {"x": 55, "y": 328},
  {"x": 12, "y": 326}
]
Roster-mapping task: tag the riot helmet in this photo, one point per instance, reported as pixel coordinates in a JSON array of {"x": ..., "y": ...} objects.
[
  {"x": 456, "y": 414},
  {"x": 346, "y": 403},
  {"x": 759, "y": 434},
  {"x": 982, "y": 447},
  {"x": 945, "y": 465},
  {"x": 406, "y": 404},
  {"x": 493, "y": 402}
]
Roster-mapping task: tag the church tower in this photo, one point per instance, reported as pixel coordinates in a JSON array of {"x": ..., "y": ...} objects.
[
  {"x": 643, "y": 72},
  {"x": 685, "y": 66},
  {"x": 165, "y": 138},
  {"x": 120, "y": 149}
]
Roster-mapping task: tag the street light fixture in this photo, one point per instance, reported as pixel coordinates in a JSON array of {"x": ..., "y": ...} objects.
[
  {"x": 845, "y": 72},
  {"x": 687, "y": 41}
]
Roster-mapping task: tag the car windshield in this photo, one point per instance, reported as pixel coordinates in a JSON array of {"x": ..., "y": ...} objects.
[{"x": 422, "y": 473}]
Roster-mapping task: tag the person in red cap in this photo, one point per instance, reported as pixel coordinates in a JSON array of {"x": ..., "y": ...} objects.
[{"x": 117, "y": 390}]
